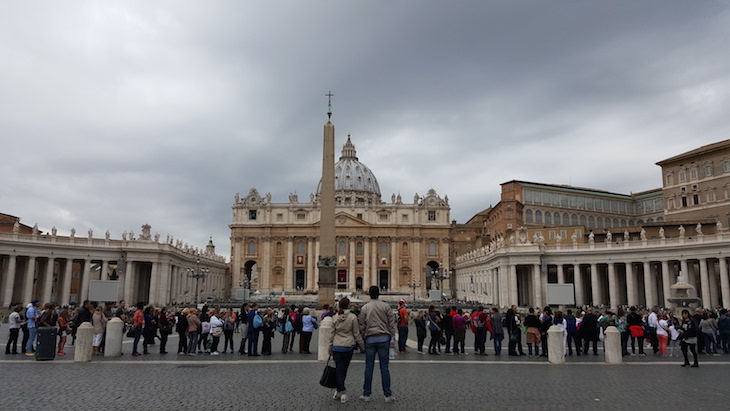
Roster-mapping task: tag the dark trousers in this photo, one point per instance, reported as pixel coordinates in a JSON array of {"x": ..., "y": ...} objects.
[
  {"x": 480, "y": 340},
  {"x": 203, "y": 340},
  {"x": 595, "y": 346},
  {"x": 228, "y": 334},
  {"x": 216, "y": 340},
  {"x": 449, "y": 334},
  {"x": 304, "y": 339},
  {"x": 285, "y": 342},
  {"x": 242, "y": 348},
  {"x": 137, "y": 337},
  {"x": 641, "y": 345},
  {"x": 253, "y": 342},
  {"x": 402, "y": 338},
  {"x": 725, "y": 343},
  {"x": 182, "y": 345},
  {"x": 433, "y": 343},
  {"x": 12, "y": 341},
  {"x": 266, "y": 345},
  {"x": 693, "y": 348},
  {"x": 459, "y": 336},
  {"x": 163, "y": 341},
  {"x": 342, "y": 363},
  {"x": 573, "y": 341},
  {"x": 421, "y": 340},
  {"x": 654, "y": 340}
]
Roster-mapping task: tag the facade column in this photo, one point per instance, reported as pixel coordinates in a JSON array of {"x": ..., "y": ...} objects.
[
  {"x": 724, "y": 282},
  {"x": 163, "y": 285},
  {"x": 712, "y": 276},
  {"x": 265, "y": 274},
  {"x": 705, "y": 284},
  {"x": 511, "y": 296},
  {"x": 561, "y": 274},
  {"x": 129, "y": 280},
  {"x": 65, "y": 289},
  {"x": 612, "y": 286},
  {"x": 155, "y": 286},
  {"x": 631, "y": 296},
  {"x": 578, "y": 284},
  {"x": 351, "y": 265},
  {"x": 175, "y": 284},
  {"x": 104, "y": 273},
  {"x": 288, "y": 274},
  {"x": 666, "y": 282},
  {"x": 9, "y": 281},
  {"x": 595, "y": 285},
  {"x": 85, "y": 281},
  {"x": 48, "y": 286},
  {"x": 649, "y": 286},
  {"x": 371, "y": 276},
  {"x": 28, "y": 283},
  {"x": 311, "y": 265},
  {"x": 365, "y": 262},
  {"x": 392, "y": 285},
  {"x": 536, "y": 286}
]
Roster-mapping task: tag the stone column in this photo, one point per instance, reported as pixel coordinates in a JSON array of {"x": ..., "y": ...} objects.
[
  {"x": 311, "y": 264},
  {"x": 315, "y": 274},
  {"x": 556, "y": 347},
  {"x": 66, "y": 289},
  {"x": 724, "y": 282},
  {"x": 561, "y": 274},
  {"x": 288, "y": 273},
  {"x": 666, "y": 283},
  {"x": 705, "y": 284},
  {"x": 612, "y": 286},
  {"x": 536, "y": 286},
  {"x": 163, "y": 285},
  {"x": 85, "y": 281},
  {"x": 325, "y": 332},
  {"x": 48, "y": 286},
  {"x": 714, "y": 297},
  {"x": 9, "y": 281},
  {"x": 512, "y": 296},
  {"x": 366, "y": 263},
  {"x": 612, "y": 345},
  {"x": 114, "y": 337},
  {"x": 265, "y": 273},
  {"x": 393, "y": 255},
  {"x": 154, "y": 283},
  {"x": 631, "y": 297},
  {"x": 104, "y": 273},
  {"x": 595, "y": 285},
  {"x": 648, "y": 285},
  {"x": 129, "y": 282},
  {"x": 578, "y": 284},
  {"x": 28, "y": 283},
  {"x": 84, "y": 342},
  {"x": 351, "y": 265}
]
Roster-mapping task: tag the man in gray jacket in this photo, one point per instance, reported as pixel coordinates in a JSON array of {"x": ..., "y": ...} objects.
[{"x": 377, "y": 327}]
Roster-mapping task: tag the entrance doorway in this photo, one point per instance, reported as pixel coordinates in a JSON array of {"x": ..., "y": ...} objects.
[
  {"x": 300, "y": 279},
  {"x": 383, "y": 280}
]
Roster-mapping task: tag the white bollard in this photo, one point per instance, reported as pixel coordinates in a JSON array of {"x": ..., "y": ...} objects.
[
  {"x": 114, "y": 336},
  {"x": 612, "y": 345},
  {"x": 84, "y": 342},
  {"x": 556, "y": 350},
  {"x": 325, "y": 332}
]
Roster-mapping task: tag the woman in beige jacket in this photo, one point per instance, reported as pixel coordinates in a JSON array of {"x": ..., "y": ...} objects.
[{"x": 341, "y": 345}]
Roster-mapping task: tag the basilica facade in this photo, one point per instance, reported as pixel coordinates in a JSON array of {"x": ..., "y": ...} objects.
[{"x": 394, "y": 245}]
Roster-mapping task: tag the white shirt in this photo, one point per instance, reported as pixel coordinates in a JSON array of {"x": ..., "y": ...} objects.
[
  {"x": 14, "y": 320},
  {"x": 675, "y": 333},
  {"x": 653, "y": 320},
  {"x": 660, "y": 330}
]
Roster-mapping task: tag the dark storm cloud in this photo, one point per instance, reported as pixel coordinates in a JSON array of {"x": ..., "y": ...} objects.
[{"x": 116, "y": 115}]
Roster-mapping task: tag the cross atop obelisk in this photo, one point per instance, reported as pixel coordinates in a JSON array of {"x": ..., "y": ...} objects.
[{"x": 327, "y": 261}]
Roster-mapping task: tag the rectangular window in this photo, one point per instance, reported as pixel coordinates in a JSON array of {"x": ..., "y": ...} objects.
[
  {"x": 301, "y": 216},
  {"x": 726, "y": 166},
  {"x": 563, "y": 234},
  {"x": 509, "y": 214},
  {"x": 552, "y": 235},
  {"x": 682, "y": 176},
  {"x": 279, "y": 217},
  {"x": 252, "y": 214},
  {"x": 579, "y": 233},
  {"x": 684, "y": 201},
  {"x": 708, "y": 170},
  {"x": 404, "y": 218},
  {"x": 359, "y": 215},
  {"x": 693, "y": 174},
  {"x": 431, "y": 216},
  {"x": 696, "y": 199},
  {"x": 670, "y": 179},
  {"x": 383, "y": 217}
]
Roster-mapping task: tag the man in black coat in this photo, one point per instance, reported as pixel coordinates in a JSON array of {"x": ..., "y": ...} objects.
[{"x": 589, "y": 329}]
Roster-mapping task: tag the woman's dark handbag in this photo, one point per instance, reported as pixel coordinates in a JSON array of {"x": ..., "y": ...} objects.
[
  {"x": 130, "y": 332},
  {"x": 329, "y": 375}
]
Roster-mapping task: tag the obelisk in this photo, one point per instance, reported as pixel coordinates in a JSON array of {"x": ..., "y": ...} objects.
[{"x": 327, "y": 262}]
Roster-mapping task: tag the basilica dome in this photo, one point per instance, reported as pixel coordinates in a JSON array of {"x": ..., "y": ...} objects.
[{"x": 354, "y": 182}]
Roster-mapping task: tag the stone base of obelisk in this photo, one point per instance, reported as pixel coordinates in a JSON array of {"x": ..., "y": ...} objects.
[{"x": 326, "y": 292}]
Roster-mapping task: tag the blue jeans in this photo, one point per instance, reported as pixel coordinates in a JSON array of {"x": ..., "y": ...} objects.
[
  {"x": 381, "y": 349},
  {"x": 192, "y": 342},
  {"x": 33, "y": 332},
  {"x": 137, "y": 336},
  {"x": 342, "y": 363},
  {"x": 498, "y": 343},
  {"x": 710, "y": 343}
]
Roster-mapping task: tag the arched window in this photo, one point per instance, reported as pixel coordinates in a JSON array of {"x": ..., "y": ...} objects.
[
  {"x": 574, "y": 219},
  {"x": 251, "y": 248},
  {"x": 566, "y": 219},
  {"x": 548, "y": 218},
  {"x": 591, "y": 222},
  {"x": 599, "y": 222},
  {"x": 358, "y": 248},
  {"x": 384, "y": 248},
  {"x": 432, "y": 248},
  {"x": 405, "y": 248},
  {"x": 300, "y": 247},
  {"x": 615, "y": 222},
  {"x": 608, "y": 223},
  {"x": 538, "y": 217},
  {"x": 278, "y": 248},
  {"x": 583, "y": 220},
  {"x": 623, "y": 222},
  {"x": 342, "y": 248},
  {"x": 528, "y": 215},
  {"x": 556, "y": 217},
  {"x": 631, "y": 223}
]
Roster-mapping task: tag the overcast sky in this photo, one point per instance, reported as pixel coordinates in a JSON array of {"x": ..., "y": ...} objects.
[{"x": 117, "y": 114}]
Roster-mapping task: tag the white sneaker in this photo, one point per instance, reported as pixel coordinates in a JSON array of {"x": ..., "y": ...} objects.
[
  {"x": 215, "y": 353},
  {"x": 390, "y": 399},
  {"x": 334, "y": 396},
  {"x": 365, "y": 398},
  {"x": 344, "y": 398}
]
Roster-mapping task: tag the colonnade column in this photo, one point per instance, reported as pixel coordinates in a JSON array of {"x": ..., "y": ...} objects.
[
  {"x": 163, "y": 293},
  {"x": 85, "y": 281},
  {"x": 561, "y": 274},
  {"x": 705, "y": 283},
  {"x": 288, "y": 274},
  {"x": 578, "y": 284},
  {"x": 66, "y": 288},
  {"x": 712, "y": 276},
  {"x": 393, "y": 267},
  {"x": 311, "y": 265},
  {"x": 612, "y": 286},
  {"x": 265, "y": 269},
  {"x": 351, "y": 266},
  {"x": 28, "y": 284},
  {"x": 536, "y": 286},
  {"x": 649, "y": 286},
  {"x": 631, "y": 296},
  {"x": 9, "y": 282},
  {"x": 129, "y": 274},
  {"x": 365, "y": 262},
  {"x": 724, "y": 282},
  {"x": 47, "y": 287},
  {"x": 666, "y": 282},
  {"x": 595, "y": 285},
  {"x": 512, "y": 295}
]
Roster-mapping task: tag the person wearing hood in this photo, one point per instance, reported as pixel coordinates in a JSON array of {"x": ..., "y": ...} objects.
[{"x": 342, "y": 342}]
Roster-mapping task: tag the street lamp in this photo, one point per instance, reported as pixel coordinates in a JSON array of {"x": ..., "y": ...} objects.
[
  {"x": 198, "y": 273},
  {"x": 414, "y": 284},
  {"x": 439, "y": 274}
]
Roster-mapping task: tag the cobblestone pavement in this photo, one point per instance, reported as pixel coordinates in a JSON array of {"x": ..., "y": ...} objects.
[{"x": 420, "y": 382}]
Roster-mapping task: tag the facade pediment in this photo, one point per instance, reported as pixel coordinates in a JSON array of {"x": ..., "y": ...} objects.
[{"x": 346, "y": 220}]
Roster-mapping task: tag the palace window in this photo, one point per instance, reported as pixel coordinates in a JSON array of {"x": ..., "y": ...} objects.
[
  {"x": 708, "y": 169},
  {"x": 404, "y": 218},
  {"x": 431, "y": 248},
  {"x": 695, "y": 199},
  {"x": 538, "y": 217},
  {"x": 279, "y": 217},
  {"x": 301, "y": 216},
  {"x": 682, "y": 176},
  {"x": 528, "y": 216},
  {"x": 726, "y": 166},
  {"x": 431, "y": 216},
  {"x": 693, "y": 173},
  {"x": 342, "y": 248},
  {"x": 252, "y": 214},
  {"x": 383, "y": 217},
  {"x": 300, "y": 247},
  {"x": 358, "y": 249},
  {"x": 251, "y": 248},
  {"x": 670, "y": 179}
]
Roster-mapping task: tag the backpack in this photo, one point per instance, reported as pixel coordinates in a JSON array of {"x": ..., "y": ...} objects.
[
  {"x": 257, "y": 321},
  {"x": 571, "y": 323}
]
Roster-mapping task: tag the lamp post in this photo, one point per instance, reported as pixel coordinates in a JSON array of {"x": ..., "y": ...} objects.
[
  {"x": 439, "y": 274},
  {"x": 414, "y": 284},
  {"x": 198, "y": 273}
]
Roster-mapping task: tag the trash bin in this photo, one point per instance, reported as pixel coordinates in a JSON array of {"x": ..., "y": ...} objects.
[{"x": 45, "y": 347}]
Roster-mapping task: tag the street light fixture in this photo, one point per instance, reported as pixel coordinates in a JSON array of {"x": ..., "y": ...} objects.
[
  {"x": 439, "y": 274},
  {"x": 198, "y": 273},
  {"x": 414, "y": 283}
]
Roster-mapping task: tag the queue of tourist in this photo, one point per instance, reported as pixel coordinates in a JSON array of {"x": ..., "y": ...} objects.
[{"x": 200, "y": 331}]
